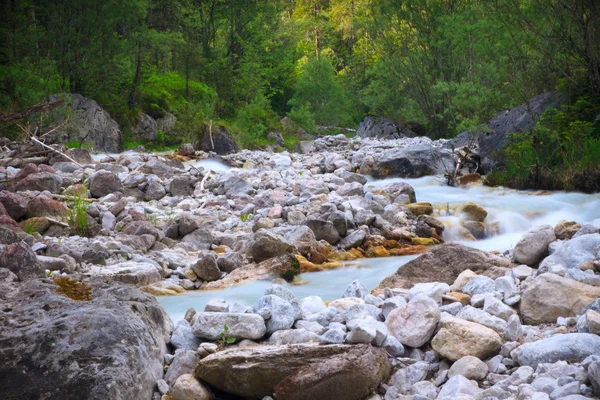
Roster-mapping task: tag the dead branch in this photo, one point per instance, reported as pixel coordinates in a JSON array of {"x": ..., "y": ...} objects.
[{"x": 26, "y": 112}]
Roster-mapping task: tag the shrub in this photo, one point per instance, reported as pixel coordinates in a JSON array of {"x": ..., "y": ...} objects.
[{"x": 78, "y": 215}]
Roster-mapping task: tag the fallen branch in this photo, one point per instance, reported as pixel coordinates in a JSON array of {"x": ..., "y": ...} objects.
[
  {"x": 210, "y": 133},
  {"x": 26, "y": 112},
  {"x": 33, "y": 138},
  {"x": 72, "y": 198},
  {"x": 204, "y": 180},
  {"x": 56, "y": 222}
]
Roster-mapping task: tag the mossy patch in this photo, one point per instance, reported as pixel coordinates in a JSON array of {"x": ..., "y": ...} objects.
[{"x": 73, "y": 289}]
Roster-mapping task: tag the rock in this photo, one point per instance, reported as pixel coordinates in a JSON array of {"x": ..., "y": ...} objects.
[
  {"x": 215, "y": 138},
  {"x": 534, "y": 244},
  {"x": 181, "y": 186},
  {"x": 302, "y": 238},
  {"x": 209, "y": 325},
  {"x": 550, "y": 296},
  {"x": 479, "y": 285},
  {"x": 570, "y": 347},
  {"x": 382, "y": 128},
  {"x": 456, "y": 386},
  {"x": 324, "y": 230},
  {"x": 481, "y": 317},
  {"x": 104, "y": 182},
  {"x": 497, "y": 308},
  {"x": 40, "y": 181},
  {"x": 471, "y": 212},
  {"x": 201, "y": 239},
  {"x": 418, "y": 209},
  {"x": 166, "y": 124},
  {"x": 572, "y": 253},
  {"x": 91, "y": 125},
  {"x": 353, "y": 240},
  {"x": 443, "y": 264},
  {"x": 42, "y": 206},
  {"x": 414, "y": 324},
  {"x": 183, "y": 363},
  {"x": 229, "y": 262},
  {"x": 206, "y": 268},
  {"x": 564, "y": 230},
  {"x": 362, "y": 333},
  {"x": 297, "y": 372},
  {"x": 267, "y": 244},
  {"x": 592, "y": 321},
  {"x": 462, "y": 279},
  {"x": 183, "y": 337},
  {"x": 8, "y": 237},
  {"x": 333, "y": 336},
  {"x": 146, "y": 129},
  {"x": 136, "y": 273},
  {"x": 458, "y": 338},
  {"x": 117, "y": 354},
  {"x": 187, "y": 387},
  {"x": 356, "y": 289},
  {"x": 154, "y": 191},
  {"x": 433, "y": 290},
  {"x": 292, "y": 336},
  {"x": 312, "y": 305},
  {"x": 14, "y": 204},
  {"x": 21, "y": 260},
  {"x": 470, "y": 367},
  {"x": 282, "y": 313},
  {"x": 594, "y": 376},
  {"x": 412, "y": 162}
]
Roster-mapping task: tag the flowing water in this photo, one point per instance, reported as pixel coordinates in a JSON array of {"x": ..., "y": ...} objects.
[{"x": 511, "y": 212}]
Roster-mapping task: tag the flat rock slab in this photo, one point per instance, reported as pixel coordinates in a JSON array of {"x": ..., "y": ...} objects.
[
  {"x": 570, "y": 347},
  {"x": 443, "y": 264},
  {"x": 297, "y": 372}
]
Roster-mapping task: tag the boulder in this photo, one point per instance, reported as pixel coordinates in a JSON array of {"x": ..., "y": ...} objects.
[
  {"x": 550, "y": 296},
  {"x": 458, "y": 338},
  {"x": 572, "y": 253},
  {"x": 91, "y": 125},
  {"x": 21, "y": 260},
  {"x": 324, "y": 230},
  {"x": 216, "y": 139},
  {"x": 136, "y": 273},
  {"x": 167, "y": 123},
  {"x": 181, "y": 186},
  {"x": 281, "y": 314},
  {"x": 533, "y": 245},
  {"x": 460, "y": 388},
  {"x": 267, "y": 244},
  {"x": 104, "y": 182},
  {"x": 470, "y": 367},
  {"x": 109, "y": 347},
  {"x": 187, "y": 387},
  {"x": 412, "y": 162},
  {"x": 42, "y": 206},
  {"x": 414, "y": 324},
  {"x": 443, "y": 264},
  {"x": 570, "y": 347},
  {"x": 564, "y": 230},
  {"x": 206, "y": 268},
  {"x": 382, "y": 128},
  {"x": 471, "y": 212},
  {"x": 40, "y": 181},
  {"x": 297, "y": 372},
  {"x": 210, "y": 325},
  {"x": 14, "y": 204},
  {"x": 146, "y": 129}
]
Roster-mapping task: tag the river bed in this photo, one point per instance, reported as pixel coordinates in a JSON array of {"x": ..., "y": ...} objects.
[{"x": 514, "y": 211}]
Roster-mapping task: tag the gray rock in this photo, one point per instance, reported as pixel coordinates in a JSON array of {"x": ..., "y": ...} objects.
[
  {"x": 118, "y": 353},
  {"x": 514, "y": 329},
  {"x": 470, "y": 367},
  {"x": 333, "y": 336},
  {"x": 183, "y": 363},
  {"x": 146, "y": 129},
  {"x": 458, "y": 385},
  {"x": 393, "y": 346},
  {"x": 21, "y": 260},
  {"x": 231, "y": 261},
  {"x": 392, "y": 303},
  {"x": 208, "y": 325},
  {"x": 533, "y": 245},
  {"x": 282, "y": 312},
  {"x": 573, "y": 252},
  {"x": 433, "y": 290},
  {"x": 206, "y": 268},
  {"x": 312, "y": 305},
  {"x": 311, "y": 326},
  {"x": 362, "y": 333},
  {"x": 412, "y": 162},
  {"x": 216, "y": 305},
  {"x": 479, "y": 285},
  {"x": 356, "y": 289},
  {"x": 183, "y": 337},
  {"x": 104, "y": 182},
  {"x": 303, "y": 238},
  {"x": 414, "y": 324},
  {"x": 594, "y": 376},
  {"x": 497, "y": 308},
  {"x": 522, "y": 271},
  {"x": 188, "y": 387},
  {"x": 109, "y": 221},
  {"x": 353, "y": 240},
  {"x": 570, "y": 347},
  {"x": 267, "y": 244},
  {"x": 181, "y": 186},
  {"x": 481, "y": 317},
  {"x": 292, "y": 336},
  {"x": 324, "y": 230}
]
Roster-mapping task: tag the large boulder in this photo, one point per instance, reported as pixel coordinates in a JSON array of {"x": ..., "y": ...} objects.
[
  {"x": 14, "y": 204},
  {"x": 91, "y": 125},
  {"x": 570, "y": 347},
  {"x": 412, "y": 162},
  {"x": 215, "y": 138},
  {"x": 534, "y": 244},
  {"x": 517, "y": 120},
  {"x": 104, "y": 182},
  {"x": 146, "y": 129},
  {"x": 414, "y": 324},
  {"x": 443, "y": 264},
  {"x": 21, "y": 260},
  {"x": 570, "y": 254},
  {"x": 267, "y": 244},
  {"x": 382, "y": 128},
  {"x": 109, "y": 347},
  {"x": 458, "y": 338},
  {"x": 550, "y": 296},
  {"x": 297, "y": 372},
  {"x": 40, "y": 181}
]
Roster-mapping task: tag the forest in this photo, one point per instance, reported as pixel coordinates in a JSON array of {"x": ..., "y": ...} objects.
[{"x": 448, "y": 65}]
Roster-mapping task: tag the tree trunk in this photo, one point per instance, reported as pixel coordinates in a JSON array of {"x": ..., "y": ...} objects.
[{"x": 137, "y": 78}]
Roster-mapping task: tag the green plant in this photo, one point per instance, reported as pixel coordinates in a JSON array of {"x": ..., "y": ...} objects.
[
  {"x": 225, "y": 338},
  {"x": 78, "y": 215},
  {"x": 244, "y": 217}
]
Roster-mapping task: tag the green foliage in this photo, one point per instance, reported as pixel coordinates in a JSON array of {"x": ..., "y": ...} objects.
[
  {"x": 253, "y": 122},
  {"x": 303, "y": 116},
  {"x": 225, "y": 338},
  {"x": 244, "y": 217},
  {"x": 78, "y": 216},
  {"x": 558, "y": 153}
]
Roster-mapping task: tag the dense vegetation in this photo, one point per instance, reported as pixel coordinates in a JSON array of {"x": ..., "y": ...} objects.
[{"x": 446, "y": 64}]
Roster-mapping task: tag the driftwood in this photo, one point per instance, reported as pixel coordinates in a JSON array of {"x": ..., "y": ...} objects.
[
  {"x": 26, "y": 112},
  {"x": 72, "y": 198}
]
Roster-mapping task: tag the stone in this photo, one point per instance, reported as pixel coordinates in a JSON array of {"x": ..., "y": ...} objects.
[
  {"x": 564, "y": 230},
  {"x": 21, "y": 260},
  {"x": 418, "y": 209},
  {"x": 283, "y": 314},
  {"x": 382, "y": 128},
  {"x": 103, "y": 183},
  {"x": 267, "y": 244},
  {"x": 146, "y": 128},
  {"x": 40, "y": 181},
  {"x": 362, "y": 333},
  {"x": 136, "y": 273},
  {"x": 324, "y": 230},
  {"x": 479, "y": 285},
  {"x": 481, "y": 317},
  {"x": 356, "y": 289},
  {"x": 458, "y": 338},
  {"x": 471, "y": 212},
  {"x": 414, "y": 324},
  {"x": 292, "y": 336},
  {"x": 231, "y": 261},
  {"x": 550, "y": 296},
  {"x": 206, "y": 268},
  {"x": 522, "y": 272},
  {"x": 183, "y": 363},
  {"x": 216, "y": 139},
  {"x": 302, "y": 238},
  {"x": 116, "y": 354},
  {"x": 570, "y": 347},
  {"x": 514, "y": 329},
  {"x": 433, "y": 290},
  {"x": 297, "y": 372},
  {"x": 216, "y": 305},
  {"x": 412, "y": 162},
  {"x": 353, "y": 240},
  {"x": 443, "y": 264},
  {"x": 154, "y": 191},
  {"x": 342, "y": 305},
  {"x": 210, "y": 325},
  {"x": 457, "y": 386},
  {"x": 42, "y": 206},
  {"x": 462, "y": 279},
  {"x": 14, "y": 204},
  {"x": 573, "y": 252},
  {"x": 497, "y": 308},
  {"x": 183, "y": 337},
  {"x": 181, "y": 186},
  {"x": 533, "y": 245},
  {"x": 312, "y": 305},
  {"x": 392, "y": 303},
  {"x": 470, "y": 367},
  {"x": 187, "y": 387}
]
